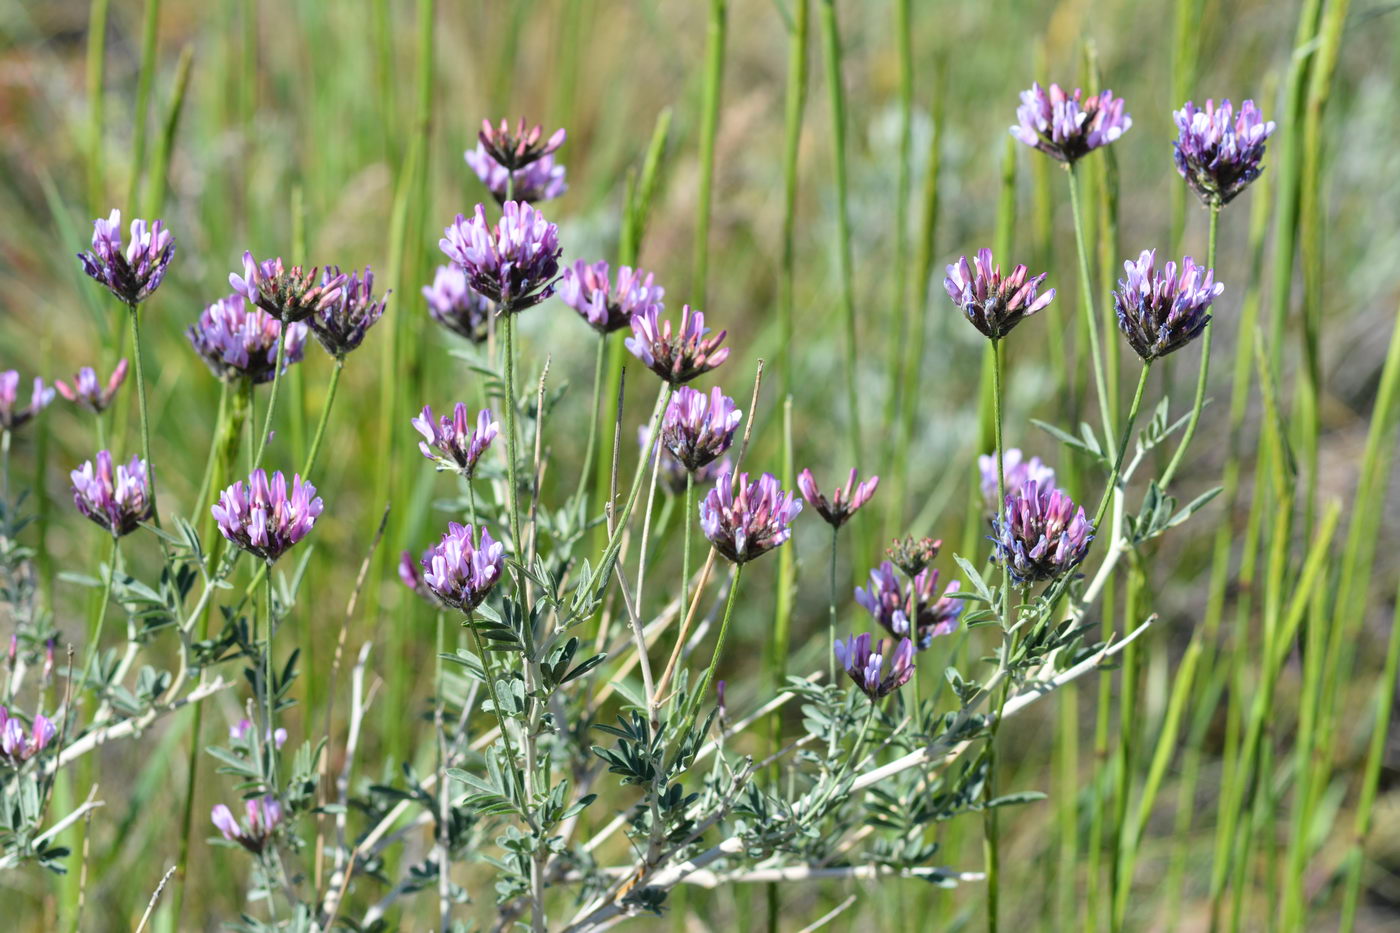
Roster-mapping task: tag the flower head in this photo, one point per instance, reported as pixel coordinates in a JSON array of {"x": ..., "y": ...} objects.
[
  {"x": 866, "y": 664},
  {"x": 541, "y": 180},
  {"x": 240, "y": 731},
  {"x": 238, "y": 342},
  {"x": 913, "y": 554},
  {"x": 1019, "y": 471},
  {"x": 514, "y": 262},
  {"x": 844, "y": 503},
  {"x": 262, "y": 518},
  {"x": 916, "y": 607},
  {"x": 133, "y": 273},
  {"x": 1218, "y": 151},
  {"x": 1160, "y": 311},
  {"x": 994, "y": 304},
  {"x": 676, "y": 356},
  {"x": 1041, "y": 534},
  {"x": 458, "y": 446},
  {"x": 587, "y": 289},
  {"x": 460, "y": 572},
  {"x": 12, "y": 417},
  {"x": 341, "y": 325},
  {"x": 263, "y": 815},
  {"x": 1068, "y": 127},
  {"x": 673, "y": 473},
  {"x": 751, "y": 522},
  {"x": 118, "y": 499},
  {"x": 698, "y": 428},
  {"x": 18, "y": 744},
  {"x": 454, "y": 305},
  {"x": 517, "y": 149},
  {"x": 290, "y": 295},
  {"x": 88, "y": 392}
]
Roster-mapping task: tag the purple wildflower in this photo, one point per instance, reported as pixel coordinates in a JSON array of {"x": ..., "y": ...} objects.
[
  {"x": 588, "y": 290},
  {"x": 866, "y": 665},
  {"x": 411, "y": 575},
  {"x": 994, "y": 304},
  {"x": 673, "y": 473},
  {"x": 1019, "y": 471},
  {"x": 290, "y": 295},
  {"x": 676, "y": 356},
  {"x": 17, "y": 744},
  {"x": 1161, "y": 312},
  {"x": 515, "y": 150},
  {"x": 916, "y": 606},
  {"x": 752, "y": 522},
  {"x": 698, "y": 428},
  {"x": 454, "y": 305},
  {"x": 514, "y": 262},
  {"x": 460, "y": 572},
  {"x": 88, "y": 392},
  {"x": 118, "y": 499},
  {"x": 844, "y": 503},
  {"x": 912, "y": 554},
  {"x": 264, "y": 814},
  {"x": 240, "y": 731},
  {"x": 541, "y": 180},
  {"x": 458, "y": 446},
  {"x": 238, "y": 342},
  {"x": 1217, "y": 151},
  {"x": 1069, "y": 127},
  {"x": 1041, "y": 535},
  {"x": 39, "y": 399},
  {"x": 341, "y": 325},
  {"x": 262, "y": 518},
  {"x": 134, "y": 273}
]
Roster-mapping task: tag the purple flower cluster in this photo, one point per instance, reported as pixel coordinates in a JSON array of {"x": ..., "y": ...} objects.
[
  {"x": 12, "y": 417},
  {"x": 1019, "y": 472},
  {"x": 698, "y": 428},
  {"x": 116, "y": 498},
  {"x": 133, "y": 273},
  {"x": 992, "y": 303},
  {"x": 238, "y": 342},
  {"x": 751, "y": 522},
  {"x": 264, "y": 814},
  {"x": 88, "y": 392},
  {"x": 513, "y": 262},
  {"x": 915, "y": 611},
  {"x": 262, "y": 518},
  {"x": 1218, "y": 151},
  {"x": 1161, "y": 311},
  {"x": 240, "y": 731},
  {"x": 588, "y": 290},
  {"x": 459, "y": 572},
  {"x": 290, "y": 295},
  {"x": 541, "y": 180},
  {"x": 844, "y": 503},
  {"x": 342, "y": 324},
  {"x": 516, "y": 149},
  {"x": 411, "y": 574},
  {"x": 454, "y": 305},
  {"x": 1041, "y": 535},
  {"x": 451, "y": 443},
  {"x": 865, "y": 664},
  {"x": 678, "y": 356},
  {"x": 17, "y": 744},
  {"x": 1068, "y": 127}
]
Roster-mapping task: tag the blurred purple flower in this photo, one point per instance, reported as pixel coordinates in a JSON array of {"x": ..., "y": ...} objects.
[
  {"x": 117, "y": 499},
  {"x": 930, "y": 615},
  {"x": 1160, "y": 311},
  {"x": 134, "y": 273},
  {"x": 262, "y": 518},
  {"x": 18, "y": 744},
  {"x": 994, "y": 304},
  {"x": 1217, "y": 151},
  {"x": 866, "y": 664},
  {"x": 460, "y": 572},
  {"x": 1019, "y": 472},
  {"x": 752, "y": 522},
  {"x": 698, "y": 428},
  {"x": 411, "y": 575},
  {"x": 87, "y": 392},
  {"x": 541, "y": 180},
  {"x": 1068, "y": 127},
  {"x": 39, "y": 399},
  {"x": 514, "y": 262},
  {"x": 454, "y": 305},
  {"x": 912, "y": 554},
  {"x": 341, "y": 325},
  {"x": 844, "y": 503},
  {"x": 458, "y": 446},
  {"x": 673, "y": 473},
  {"x": 515, "y": 150},
  {"x": 240, "y": 731},
  {"x": 676, "y": 356},
  {"x": 264, "y": 814},
  {"x": 290, "y": 295},
  {"x": 588, "y": 290},
  {"x": 238, "y": 342},
  {"x": 1041, "y": 535}
]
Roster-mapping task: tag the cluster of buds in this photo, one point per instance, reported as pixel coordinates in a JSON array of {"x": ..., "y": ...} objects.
[
  {"x": 117, "y": 498},
  {"x": 609, "y": 305},
  {"x": 237, "y": 342},
  {"x": 87, "y": 392},
  {"x": 751, "y": 522},
  {"x": 912, "y": 554},
  {"x": 451, "y": 443},
  {"x": 1218, "y": 151},
  {"x": 1068, "y": 127},
  {"x": 342, "y": 324},
  {"x": 460, "y": 572},
  {"x": 454, "y": 305},
  {"x": 262, "y": 518},
  {"x": 679, "y": 355},
  {"x": 541, "y": 180},
  {"x": 1041, "y": 535},
  {"x": 12, "y": 415},
  {"x": 512, "y": 262},
  {"x": 844, "y": 502},
  {"x": 866, "y": 665},
  {"x": 698, "y": 428},
  {"x": 133, "y": 273},
  {"x": 290, "y": 295},
  {"x": 18, "y": 744},
  {"x": 1019, "y": 471},
  {"x": 992, "y": 303},
  {"x": 1160, "y": 310},
  {"x": 264, "y": 815}
]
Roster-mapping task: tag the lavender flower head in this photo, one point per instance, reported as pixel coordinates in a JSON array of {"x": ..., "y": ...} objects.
[
  {"x": 1217, "y": 151},
  {"x": 341, "y": 325},
  {"x": 88, "y": 392},
  {"x": 240, "y": 731},
  {"x": 514, "y": 262},
  {"x": 460, "y": 572},
  {"x": 541, "y": 180},
  {"x": 17, "y": 744},
  {"x": 750, "y": 523},
  {"x": 454, "y": 305},
  {"x": 12, "y": 417},
  {"x": 458, "y": 447},
  {"x": 290, "y": 295},
  {"x": 844, "y": 503},
  {"x": 1041, "y": 535},
  {"x": 673, "y": 473},
  {"x": 866, "y": 664},
  {"x": 698, "y": 428},
  {"x": 1068, "y": 127},
  {"x": 676, "y": 356},
  {"x": 1019, "y": 472},
  {"x": 411, "y": 575},
  {"x": 913, "y": 554},
  {"x": 588, "y": 290},
  {"x": 118, "y": 499},
  {"x": 1162, "y": 311},
  {"x": 515, "y": 150},
  {"x": 264, "y": 814},
  {"x": 262, "y": 518},
  {"x": 916, "y": 606},
  {"x": 133, "y": 273},
  {"x": 237, "y": 342},
  {"x": 994, "y": 304}
]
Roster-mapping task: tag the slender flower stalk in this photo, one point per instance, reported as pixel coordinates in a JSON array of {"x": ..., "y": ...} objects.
[{"x": 86, "y": 391}]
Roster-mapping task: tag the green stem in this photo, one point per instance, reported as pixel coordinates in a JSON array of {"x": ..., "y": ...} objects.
[
  {"x": 709, "y": 677},
  {"x": 831, "y": 613},
  {"x": 272, "y": 397},
  {"x": 325, "y": 417},
  {"x": 1204, "y": 373},
  {"x": 140, "y": 368},
  {"x": 685, "y": 548},
  {"x": 1117, "y": 471},
  {"x": 95, "y": 631},
  {"x": 509, "y": 404},
  {"x": 269, "y": 726},
  {"x": 709, "y": 125},
  {"x": 1086, "y": 287},
  {"x": 993, "y": 859},
  {"x": 594, "y": 414}
]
